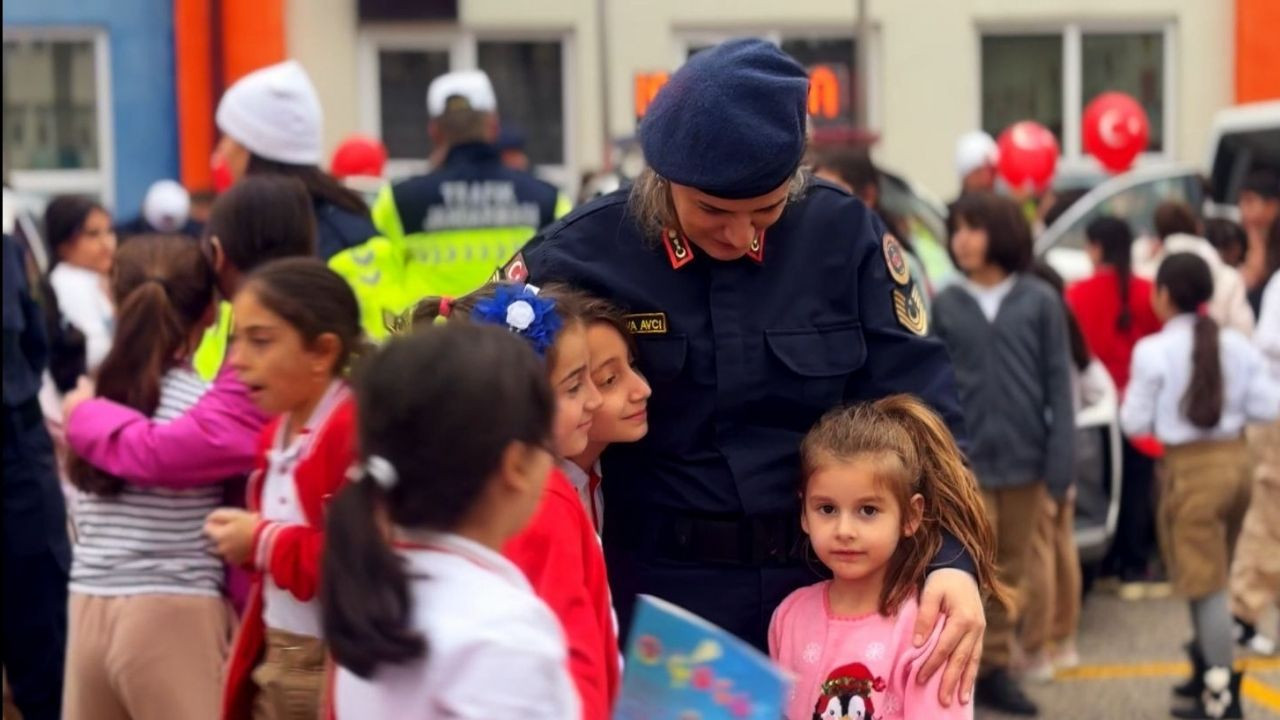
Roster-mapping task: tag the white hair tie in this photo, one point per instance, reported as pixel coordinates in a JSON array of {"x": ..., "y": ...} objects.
[{"x": 382, "y": 471}]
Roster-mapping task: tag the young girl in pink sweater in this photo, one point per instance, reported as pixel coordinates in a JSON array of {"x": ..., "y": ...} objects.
[{"x": 882, "y": 481}]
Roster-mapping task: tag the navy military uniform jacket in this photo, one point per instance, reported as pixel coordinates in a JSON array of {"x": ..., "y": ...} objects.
[
  {"x": 338, "y": 229},
  {"x": 428, "y": 203},
  {"x": 744, "y": 357},
  {"x": 455, "y": 224}
]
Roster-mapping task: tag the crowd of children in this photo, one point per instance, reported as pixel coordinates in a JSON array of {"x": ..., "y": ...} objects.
[
  {"x": 420, "y": 526},
  {"x": 1160, "y": 328}
]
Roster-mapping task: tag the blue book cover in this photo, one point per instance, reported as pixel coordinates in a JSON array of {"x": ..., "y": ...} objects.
[{"x": 681, "y": 667}]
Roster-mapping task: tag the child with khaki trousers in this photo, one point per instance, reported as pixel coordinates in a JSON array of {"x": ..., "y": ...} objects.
[
  {"x": 1255, "y": 574},
  {"x": 1052, "y": 584},
  {"x": 1196, "y": 386}
]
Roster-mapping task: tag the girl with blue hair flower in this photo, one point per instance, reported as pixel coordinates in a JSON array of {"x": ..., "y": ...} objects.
[{"x": 558, "y": 551}]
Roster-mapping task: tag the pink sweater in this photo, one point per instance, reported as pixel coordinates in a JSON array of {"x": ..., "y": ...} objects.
[
  {"x": 852, "y": 664},
  {"x": 216, "y": 439}
]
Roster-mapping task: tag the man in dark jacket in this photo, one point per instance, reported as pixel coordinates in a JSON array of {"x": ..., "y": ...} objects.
[{"x": 37, "y": 553}]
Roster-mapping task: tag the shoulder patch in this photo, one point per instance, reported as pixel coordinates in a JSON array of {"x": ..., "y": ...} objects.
[
  {"x": 514, "y": 271},
  {"x": 908, "y": 305},
  {"x": 896, "y": 260}
]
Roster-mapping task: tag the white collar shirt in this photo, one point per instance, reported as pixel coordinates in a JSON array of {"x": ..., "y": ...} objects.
[
  {"x": 494, "y": 649},
  {"x": 1161, "y": 373}
]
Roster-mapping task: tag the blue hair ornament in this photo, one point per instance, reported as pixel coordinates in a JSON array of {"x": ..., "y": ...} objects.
[{"x": 518, "y": 308}]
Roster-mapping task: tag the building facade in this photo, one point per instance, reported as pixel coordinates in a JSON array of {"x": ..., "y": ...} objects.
[{"x": 574, "y": 75}]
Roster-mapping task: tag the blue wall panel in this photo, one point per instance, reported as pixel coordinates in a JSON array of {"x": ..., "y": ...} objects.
[{"x": 144, "y": 115}]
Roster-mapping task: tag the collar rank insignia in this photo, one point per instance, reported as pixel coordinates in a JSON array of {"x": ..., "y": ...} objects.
[{"x": 679, "y": 251}]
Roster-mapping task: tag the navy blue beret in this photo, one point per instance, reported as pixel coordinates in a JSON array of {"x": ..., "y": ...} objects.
[{"x": 731, "y": 121}]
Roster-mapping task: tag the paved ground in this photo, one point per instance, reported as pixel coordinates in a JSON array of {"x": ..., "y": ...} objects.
[{"x": 1131, "y": 655}]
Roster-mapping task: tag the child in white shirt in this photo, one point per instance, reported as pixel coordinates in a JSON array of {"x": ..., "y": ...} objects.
[
  {"x": 421, "y": 610},
  {"x": 83, "y": 246},
  {"x": 1196, "y": 385}
]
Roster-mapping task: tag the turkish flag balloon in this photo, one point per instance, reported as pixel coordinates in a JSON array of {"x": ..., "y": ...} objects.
[
  {"x": 1115, "y": 130},
  {"x": 1028, "y": 155}
]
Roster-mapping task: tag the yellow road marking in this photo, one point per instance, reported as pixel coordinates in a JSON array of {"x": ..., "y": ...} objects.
[
  {"x": 1261, "y": 693},
  {"x": 1252, "y": 688},
  {"x": 1156, "y": 669}
]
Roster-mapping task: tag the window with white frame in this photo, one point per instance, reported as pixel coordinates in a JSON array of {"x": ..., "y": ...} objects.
[
  {"x": 403, "y": 76},
  {"x": 832, "y": 55},
  {"x": 57, "y": 112},
  {"x": 1050, "y": 76},
  {"x": 529, "y": 76}
]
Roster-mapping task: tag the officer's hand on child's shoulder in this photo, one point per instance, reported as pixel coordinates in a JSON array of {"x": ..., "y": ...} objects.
[{"x": 953, "y": 594}]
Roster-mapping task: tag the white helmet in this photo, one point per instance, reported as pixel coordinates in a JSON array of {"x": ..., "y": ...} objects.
[
  {"x": 167, "y": 206},
  {"x": 974, "y": 150}
]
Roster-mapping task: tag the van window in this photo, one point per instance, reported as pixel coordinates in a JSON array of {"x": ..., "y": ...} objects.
[{"x": 1239, "y": 154}]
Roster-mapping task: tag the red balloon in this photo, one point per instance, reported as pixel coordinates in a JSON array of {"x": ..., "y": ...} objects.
[
  {"x": 1028, "y": 155},
  {"x": 1116, "y": 130},
  {"x": 359, "y": 155},
  {"x": 222, "y": 178}
]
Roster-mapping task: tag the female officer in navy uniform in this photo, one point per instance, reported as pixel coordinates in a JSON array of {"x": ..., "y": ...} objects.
[{"x": 759, "y": 299}]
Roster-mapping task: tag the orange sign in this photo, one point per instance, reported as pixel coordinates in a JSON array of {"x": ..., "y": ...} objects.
[
  {"x": 827, "y": 87},
  {"x": 824, "y": 92},
  {"x": 646, "y": 89}
]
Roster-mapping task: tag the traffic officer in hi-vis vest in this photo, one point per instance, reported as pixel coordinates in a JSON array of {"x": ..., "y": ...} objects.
[
  {"x": 458, "y": 222},
  {"x": 760, "y": 298}
]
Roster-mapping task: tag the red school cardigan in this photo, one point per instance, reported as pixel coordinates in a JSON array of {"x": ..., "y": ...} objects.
[
  {"x": 289, "y": 553},
  {"x": 559, "y": 552}
]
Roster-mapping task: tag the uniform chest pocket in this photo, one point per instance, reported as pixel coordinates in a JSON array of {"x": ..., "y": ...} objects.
[
  {"x": 813, "y": 364},
  {"x": 662, "y": 358}
]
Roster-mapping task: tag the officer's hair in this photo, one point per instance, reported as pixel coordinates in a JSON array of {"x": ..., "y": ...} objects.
[
  {"x": 441, "y": 408},
  {"x": 569, "y": 306},
  {"x": 163, "y": 286},
  {"x": 912, "y": 452},
  {"x": 463, "y": 125},
  {"x": 1008, "y": 232},
  {"x": 650, "y": 203}
]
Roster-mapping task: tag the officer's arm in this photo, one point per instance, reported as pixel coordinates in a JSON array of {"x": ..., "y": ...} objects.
[{"x": 900, "y": 357}]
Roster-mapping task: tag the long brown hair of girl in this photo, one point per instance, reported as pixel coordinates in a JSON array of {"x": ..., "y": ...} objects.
[
  {"x": 916, "y": 454},
  {"x": 163, "y": 288},
  {"x": 1189, "y": 282}
]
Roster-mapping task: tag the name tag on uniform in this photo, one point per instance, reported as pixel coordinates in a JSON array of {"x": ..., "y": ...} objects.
[{"x": 647, "y": 323}]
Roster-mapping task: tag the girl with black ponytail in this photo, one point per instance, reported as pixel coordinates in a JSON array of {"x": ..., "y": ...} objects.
[
  {"x": 1196, "y": 385},
  {"x": 1113, "y": 309},
  {"x": 421, "y": 610}
]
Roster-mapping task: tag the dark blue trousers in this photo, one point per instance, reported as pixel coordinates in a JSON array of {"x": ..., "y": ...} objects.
[{"x": 37, "y": 557}]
